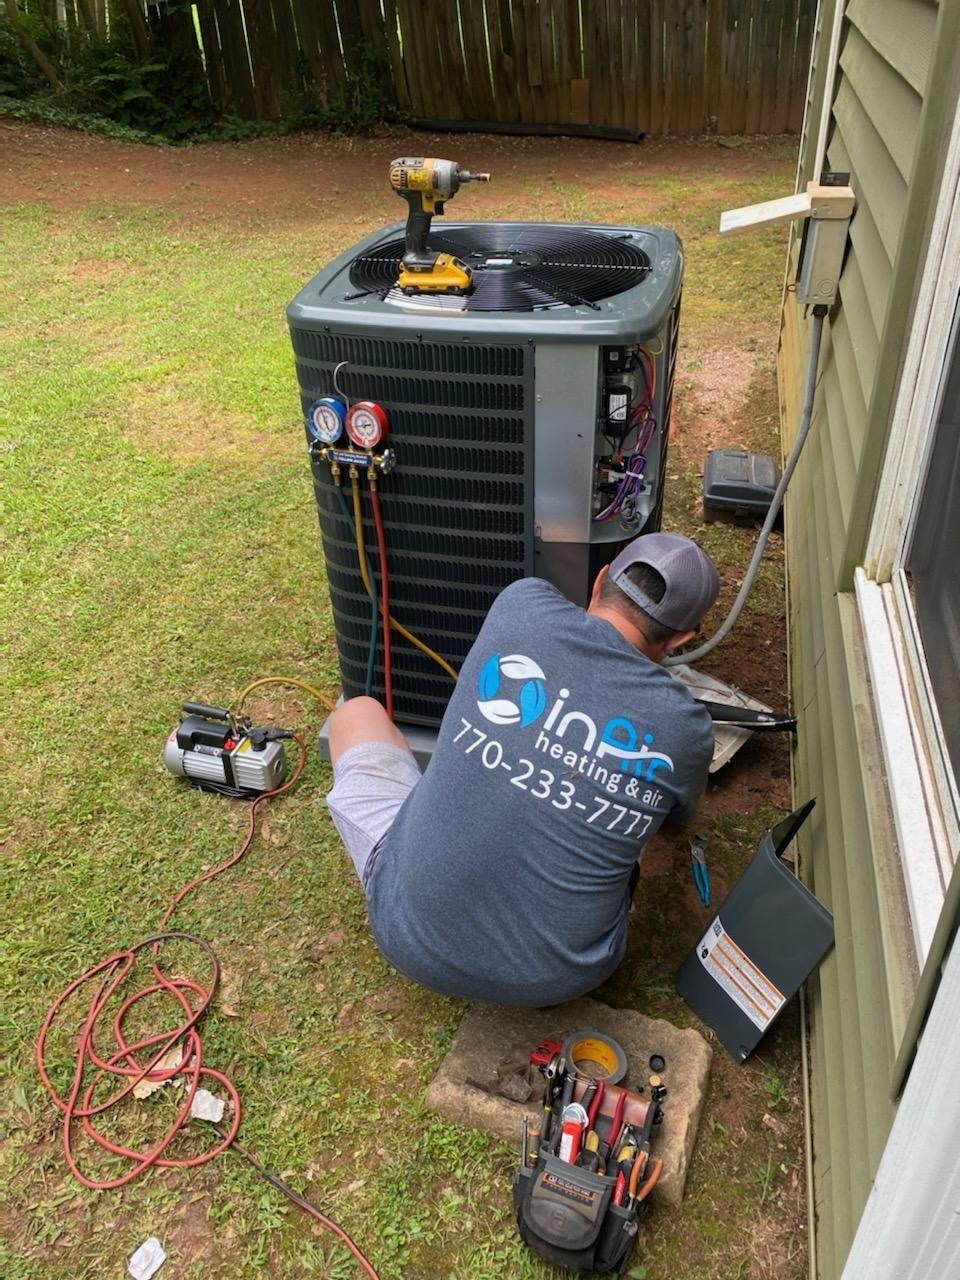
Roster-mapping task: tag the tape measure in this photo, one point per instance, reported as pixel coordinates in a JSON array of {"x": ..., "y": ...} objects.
[{"x": 595, "y": 1055}]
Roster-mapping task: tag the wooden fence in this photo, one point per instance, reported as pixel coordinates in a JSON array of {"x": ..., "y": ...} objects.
[{"x": 663, "y": 67}]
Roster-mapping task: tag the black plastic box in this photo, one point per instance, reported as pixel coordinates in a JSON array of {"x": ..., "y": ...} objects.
[{"x": 737, "y": 485}]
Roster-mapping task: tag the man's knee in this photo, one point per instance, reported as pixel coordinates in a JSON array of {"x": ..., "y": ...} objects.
[
  {"x": 361, "y": 720},
  {"x": 357, "y": 711}
]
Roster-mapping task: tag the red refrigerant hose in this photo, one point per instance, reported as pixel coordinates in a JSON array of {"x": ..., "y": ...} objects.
[{"x": 384, "y": 598}]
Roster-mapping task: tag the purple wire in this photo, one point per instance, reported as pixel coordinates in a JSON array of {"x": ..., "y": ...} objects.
[{"x": 630, "y": 485}]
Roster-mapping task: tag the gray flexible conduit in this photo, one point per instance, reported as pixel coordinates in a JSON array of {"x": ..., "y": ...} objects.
[{"x": 727, "y": 625}]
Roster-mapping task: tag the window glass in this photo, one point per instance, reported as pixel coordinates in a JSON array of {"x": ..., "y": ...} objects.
[{"x": 933, "y": 562}]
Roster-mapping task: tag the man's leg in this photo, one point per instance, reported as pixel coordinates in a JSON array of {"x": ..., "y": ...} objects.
[
  {"x": 374, "y": 771},
  {"x": 361, "y": 720}
]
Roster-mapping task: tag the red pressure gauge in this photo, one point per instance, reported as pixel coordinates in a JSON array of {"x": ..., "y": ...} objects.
[{"x": 367, "y": 424}]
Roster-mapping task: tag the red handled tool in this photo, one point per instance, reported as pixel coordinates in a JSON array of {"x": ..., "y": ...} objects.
[
  {"x": 541, "y": 1056},
  {"x": 597, "y": 1101},
  {"x": 616, "y": 1124}
]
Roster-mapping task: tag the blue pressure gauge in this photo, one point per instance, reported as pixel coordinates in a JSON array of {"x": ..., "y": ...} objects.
[{"x": 326, "y": 420}]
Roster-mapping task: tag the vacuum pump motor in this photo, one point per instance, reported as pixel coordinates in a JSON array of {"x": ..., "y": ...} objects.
[{"x": 218, "y": 752}]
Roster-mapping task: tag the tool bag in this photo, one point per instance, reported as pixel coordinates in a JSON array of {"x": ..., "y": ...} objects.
[{"x": 565, "y": 1214}]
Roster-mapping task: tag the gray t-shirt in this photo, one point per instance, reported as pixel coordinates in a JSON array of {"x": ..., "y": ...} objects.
[{"x": 505, "y": 877}]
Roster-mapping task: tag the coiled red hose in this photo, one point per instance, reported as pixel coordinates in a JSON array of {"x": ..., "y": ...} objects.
[{"x": 126, "y": 1062}]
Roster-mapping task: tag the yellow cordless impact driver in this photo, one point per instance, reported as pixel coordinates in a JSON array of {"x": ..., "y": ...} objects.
[{"x": 425, "y": 185}]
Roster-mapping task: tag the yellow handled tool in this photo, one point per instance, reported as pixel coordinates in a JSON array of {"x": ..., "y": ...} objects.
[{"x": 426, "y": 184}]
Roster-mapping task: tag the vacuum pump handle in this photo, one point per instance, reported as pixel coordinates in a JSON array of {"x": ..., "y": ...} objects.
[{"x": 201, "y": 709}]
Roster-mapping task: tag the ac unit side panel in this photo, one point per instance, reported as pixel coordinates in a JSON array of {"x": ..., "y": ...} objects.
[{"x": 568, "y": 390}]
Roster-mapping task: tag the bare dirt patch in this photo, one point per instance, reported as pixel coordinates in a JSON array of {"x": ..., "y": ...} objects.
[
  {"x": 719, "y": 376},
  {"x": 303, "y": 175},
  {"x": 98, "y": 269},
  {"x": 167, "y": 424}
]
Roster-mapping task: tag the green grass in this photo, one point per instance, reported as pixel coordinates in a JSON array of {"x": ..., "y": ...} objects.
[{"x": 159, "y": 541}]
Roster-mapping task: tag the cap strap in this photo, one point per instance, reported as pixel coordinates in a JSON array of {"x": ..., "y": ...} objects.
[{"x": 638, "y": 597}]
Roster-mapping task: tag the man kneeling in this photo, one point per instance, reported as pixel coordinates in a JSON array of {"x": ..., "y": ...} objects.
[{"x": 505, "y": 872}]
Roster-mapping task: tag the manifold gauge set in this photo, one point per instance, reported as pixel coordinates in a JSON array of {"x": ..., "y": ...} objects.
[{"x": 365, "y": 425}]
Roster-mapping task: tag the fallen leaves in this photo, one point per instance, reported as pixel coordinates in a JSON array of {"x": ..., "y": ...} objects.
[{"x": 169, "y": 1062}]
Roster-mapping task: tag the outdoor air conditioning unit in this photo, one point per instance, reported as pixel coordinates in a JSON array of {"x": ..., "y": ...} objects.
[{"x": 506, "y": 410}]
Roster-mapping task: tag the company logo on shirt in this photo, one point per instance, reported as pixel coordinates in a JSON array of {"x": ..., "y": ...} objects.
[{"x": 512, "y": 690}]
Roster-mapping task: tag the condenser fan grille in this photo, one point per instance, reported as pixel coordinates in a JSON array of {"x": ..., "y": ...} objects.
[{"x": 527, "y": 268}]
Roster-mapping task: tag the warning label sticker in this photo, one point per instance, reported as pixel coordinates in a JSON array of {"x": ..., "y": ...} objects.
[{"x": 733, "y": 970}]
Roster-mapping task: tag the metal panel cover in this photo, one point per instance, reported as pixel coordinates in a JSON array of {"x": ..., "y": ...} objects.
[{"x": 769, "y": 934}]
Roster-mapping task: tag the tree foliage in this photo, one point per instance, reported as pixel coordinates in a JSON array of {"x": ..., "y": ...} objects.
[{"x": 139, "y": 66}]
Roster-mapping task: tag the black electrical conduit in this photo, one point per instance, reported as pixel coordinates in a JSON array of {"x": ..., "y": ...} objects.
[
  {"x": 819, "y": 312},
  {"x": 605, "y": 132}
]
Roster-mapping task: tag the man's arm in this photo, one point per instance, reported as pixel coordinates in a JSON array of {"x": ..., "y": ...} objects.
[{"x": 699, "y": 758}]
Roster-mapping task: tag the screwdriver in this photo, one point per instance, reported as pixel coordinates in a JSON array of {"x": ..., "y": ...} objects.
[
  {"x": 626, "y": 1159},
  {"x": 590, "y": 1158},
  {"x": 594, "y": 1108},
  {"x": 616, "y": 1124},
  {"x": 550, "y": 1073},
  {"x": 569, "y": 1081}
]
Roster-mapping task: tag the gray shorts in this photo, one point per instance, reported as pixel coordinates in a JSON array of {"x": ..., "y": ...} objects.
[{"x": 370, "y": 783}]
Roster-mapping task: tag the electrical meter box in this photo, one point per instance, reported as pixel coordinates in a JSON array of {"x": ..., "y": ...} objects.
[{"x": 528, "y": 423}]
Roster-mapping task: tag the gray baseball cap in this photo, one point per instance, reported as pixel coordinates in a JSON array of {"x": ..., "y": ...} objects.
[{"x": 691, "y": 578}]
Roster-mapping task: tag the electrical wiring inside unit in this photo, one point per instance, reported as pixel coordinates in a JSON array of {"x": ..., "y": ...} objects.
[{"x": 621, "y": 474}]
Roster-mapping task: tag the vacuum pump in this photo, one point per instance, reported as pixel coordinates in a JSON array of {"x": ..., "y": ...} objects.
[{"x": 217, "y": 751}]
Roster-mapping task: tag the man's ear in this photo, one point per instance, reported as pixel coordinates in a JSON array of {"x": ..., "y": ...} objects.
[
  {"x": 597, "y": 585},
  {"x": 678, "y": 641}
]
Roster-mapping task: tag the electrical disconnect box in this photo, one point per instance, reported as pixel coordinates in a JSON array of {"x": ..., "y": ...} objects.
[
  {"x": 528, "y": 422},
  {"x": 826, "y": 207}
]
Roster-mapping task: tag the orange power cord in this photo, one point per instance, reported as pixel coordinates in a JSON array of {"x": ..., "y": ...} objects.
[{"x": 80, "y": 1107}]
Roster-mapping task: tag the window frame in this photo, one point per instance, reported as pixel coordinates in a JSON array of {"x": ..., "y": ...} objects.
[{"x": 924, "y": 793}]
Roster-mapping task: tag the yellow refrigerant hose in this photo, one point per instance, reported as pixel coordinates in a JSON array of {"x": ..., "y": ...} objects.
[
  {"x": 368, "y": 586},
  {"x": 290, "y": 680},
  {"x": 365, "y": 574}
]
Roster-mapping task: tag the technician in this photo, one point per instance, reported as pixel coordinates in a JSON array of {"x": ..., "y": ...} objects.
[{"x": 505, "y": 872}]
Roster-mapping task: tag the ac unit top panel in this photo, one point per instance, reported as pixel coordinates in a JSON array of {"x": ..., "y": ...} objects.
[{"x": 550, "y": 281}]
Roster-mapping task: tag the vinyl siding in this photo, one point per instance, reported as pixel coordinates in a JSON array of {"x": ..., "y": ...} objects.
[{"x": 860, "y": 999}]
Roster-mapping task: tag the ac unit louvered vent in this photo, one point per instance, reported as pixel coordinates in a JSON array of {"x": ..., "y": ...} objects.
[{"x": 458, "y": 508}]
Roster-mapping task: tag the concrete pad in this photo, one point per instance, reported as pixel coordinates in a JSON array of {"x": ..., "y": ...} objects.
[{"x": 466, "y": 1087}]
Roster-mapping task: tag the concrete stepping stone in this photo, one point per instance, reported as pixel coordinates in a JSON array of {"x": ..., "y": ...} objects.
[{"x": 466, "y": 1088}]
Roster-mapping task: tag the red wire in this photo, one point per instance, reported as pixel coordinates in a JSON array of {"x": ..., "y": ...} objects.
[
  {"x": 251, "y": 832},
  {"x": 310, "y": 1208},
  {"x": 384, "y": 598},
  {"x": 79, "y": 1107}
]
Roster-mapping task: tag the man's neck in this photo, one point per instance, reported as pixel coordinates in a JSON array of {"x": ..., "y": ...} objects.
[{"x": 633, "y": 635}]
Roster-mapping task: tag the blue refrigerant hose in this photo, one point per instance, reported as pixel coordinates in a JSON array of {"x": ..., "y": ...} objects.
[
  {"x": 727, "y": 625},
  {"x": 374, "y": 609}
]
